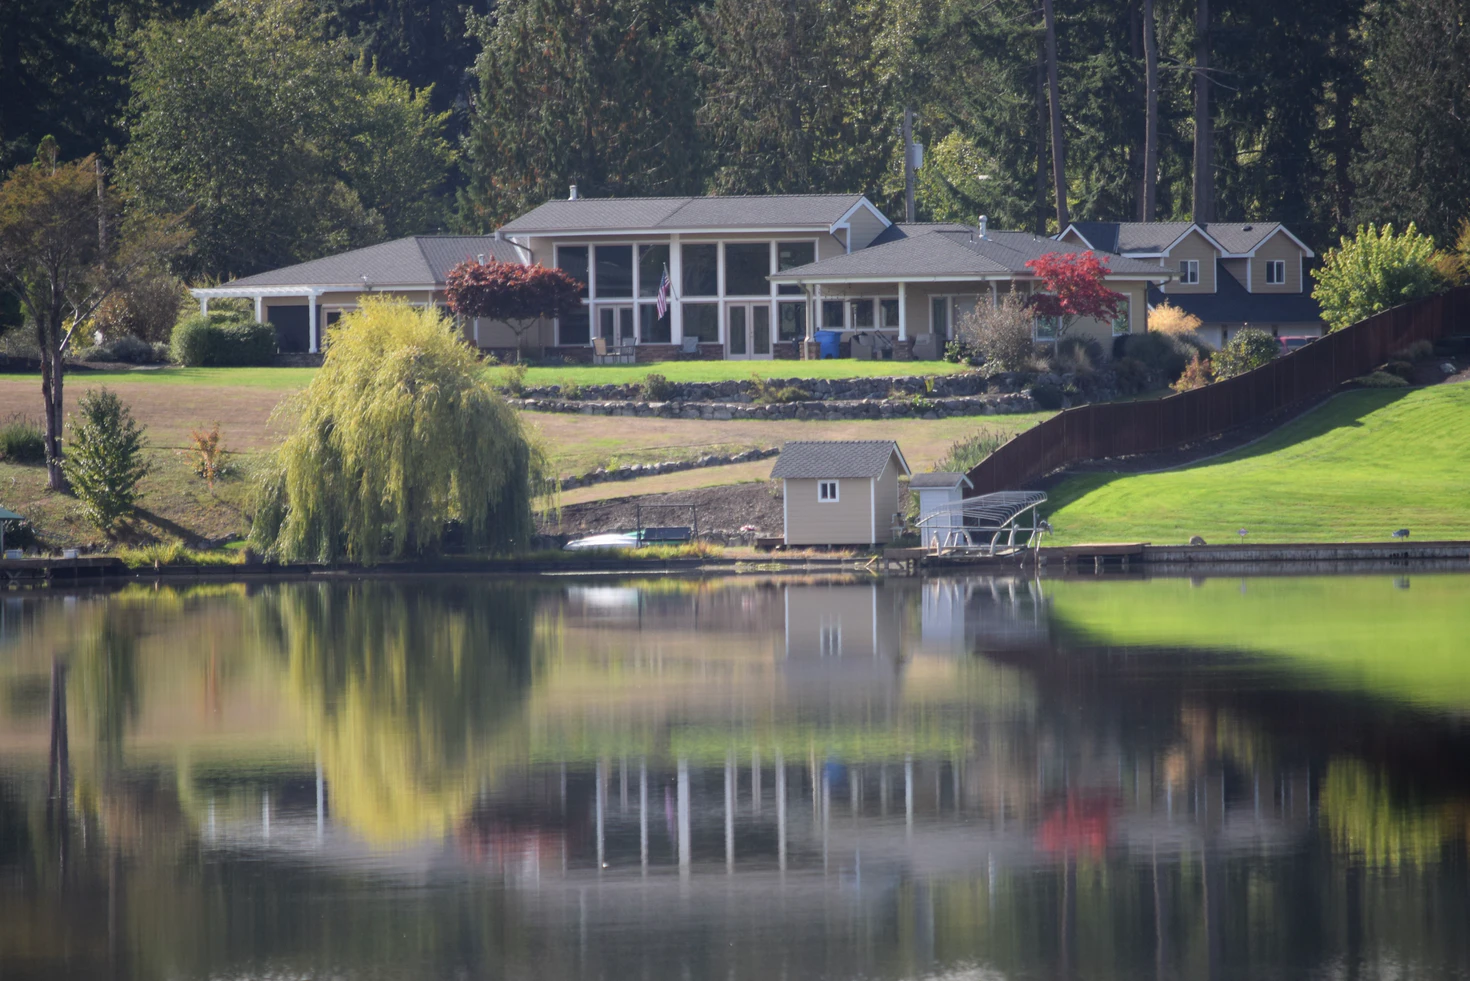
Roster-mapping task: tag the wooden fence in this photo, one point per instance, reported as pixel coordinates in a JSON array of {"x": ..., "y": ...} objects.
[{"x": 1111, "y": 429}]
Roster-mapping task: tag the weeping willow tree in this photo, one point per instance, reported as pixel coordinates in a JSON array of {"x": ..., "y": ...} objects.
[{"x": 398, "y": 436}]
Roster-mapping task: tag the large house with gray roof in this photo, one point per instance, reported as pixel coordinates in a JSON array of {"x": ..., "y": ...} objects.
[
  {"x": 1230, "y": 275},
  {"x": 749, "y": 277}
]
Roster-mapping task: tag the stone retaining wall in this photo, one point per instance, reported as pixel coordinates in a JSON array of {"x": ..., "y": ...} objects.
[
  {"x": 603, "y": 474},
  {"x": 820, "y": 389},
  {"x": 912, "y": 408}
]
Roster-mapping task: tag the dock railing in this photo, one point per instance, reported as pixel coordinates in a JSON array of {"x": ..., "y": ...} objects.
[{"x": 1113, "y": 429}]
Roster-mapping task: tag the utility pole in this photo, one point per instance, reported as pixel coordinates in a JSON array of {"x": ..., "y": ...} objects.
[{"x": 908, "y": 165}]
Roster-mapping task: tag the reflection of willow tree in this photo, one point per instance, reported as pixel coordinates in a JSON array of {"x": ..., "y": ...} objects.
[
  {"x": 404, "y": 687},
  {"x": 1366, "y": 819}
]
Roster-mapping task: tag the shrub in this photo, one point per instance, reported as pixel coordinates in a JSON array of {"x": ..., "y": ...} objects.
[
  {"x": 962, "y": 352},
  {"x": 657, "y": 388},
  {"x": 209, "y": 454},
  {"x": 1164, "y": 354},
  {"x": 1169, "y": 319},
  {"x": 1002, "y": 334},
  {"x": 1132, "y": 376},
  {"x": 1080, "y": 353},
  {"x": 1197, "y": 374},
  {"x": 21, "y": 441},
  {"x": 104, "y": 458},
  {"x": 129, "y": 350},
  {"x": 571, "y": 390},
  {"x": 1403, "y": 369},
  {"x": 764, "y": 392},
  {"x": 1375, "y": 270},
  {"x": 1249, "y": 348},
  {"x": 965, "y": 453},
  {"x": 1380, "y": 379},
  {"x": 147, "y": 309},
  {"x": 513, "y": 379},
  {"x": 1417, "y": 351},
  {"x": 1047, "y": 396},
  {"x": 221, "y": 340}
]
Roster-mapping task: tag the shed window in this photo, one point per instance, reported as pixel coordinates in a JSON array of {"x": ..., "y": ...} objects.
[
  {"x": 1275, "y": 272},
  {"x": 827, "y": 491}
]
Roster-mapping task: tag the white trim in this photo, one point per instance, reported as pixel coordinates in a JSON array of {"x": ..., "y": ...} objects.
[
  {"x": 312, "y": 324},
  {"x": 219, "y": 292},
  {"x": 901, "y": 462},
  {"x": 1163, "y": 276},
  {"x": 862, "y": 202},
  {"x": 1280, "y": 230},
  {"x": 1248, "y": 264},
  {"x": 785, "y": 536},
  {"x": 1193, "y": 227},
  {"x": 873, "y": 504},
  {"x": 1072, "y": 227},
  {"x": 836, "y": 491},
  {"x": 657, "y": 232}
]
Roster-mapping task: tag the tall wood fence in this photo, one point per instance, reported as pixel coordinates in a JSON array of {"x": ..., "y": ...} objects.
[{"x": 1091, "y": 432}]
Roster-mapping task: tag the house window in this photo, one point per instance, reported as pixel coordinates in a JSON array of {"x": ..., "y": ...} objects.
[
  {"x": 574, "y": 328},
  {"x": 1046, "y": 329},
  {"x": 701, "y": 270},
  {"x": 572, "y": 260},
  {"x": 652, "y": 329},
  {"x": 832, "y": 315},
  {"x": 1121, "y": 325},
  {"x": 791, "y": 321},
  {"x": 702, "y": 320},
  {"x": 1189, "y": 271},
  {"x": 1275, "y": 272},
  {"x": 652, "y": 261},
  {"x": 614, "y": 271},
  {"x": 827, "y": 491},
  {"x": 889, "y": 311},
  {"x": 862, "y": 314},
  {"x": 747, "y": 265},
  {"x": 789, "y": 255}
]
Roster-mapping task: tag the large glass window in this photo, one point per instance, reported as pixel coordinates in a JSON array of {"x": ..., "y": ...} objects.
[
  {"x": 862, "y": 314},
  {"x": 789, "y": 255},
  {"x": 701, "y": 270},
  {"x": 653, "y": 329},
  {"x": 889, "y": 310},
  {"x": 791, "y": 321},
  {"x": 747, "y": 264},
  {"x": 614, "y": 270},
  {"x": 574, "y": 327},
  {"x": 652, "y": 260},
  {"x": 572, "y": 259},
  {"x": 832, "y": 315},
  {"x": 702, "y": 320}
]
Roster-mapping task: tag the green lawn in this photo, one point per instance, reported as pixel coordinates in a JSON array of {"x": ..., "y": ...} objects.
[
  {"x": 708, "y": 371},
  {"x": 1401, "y": 637},
  {"x": 1361, "y": 465}
]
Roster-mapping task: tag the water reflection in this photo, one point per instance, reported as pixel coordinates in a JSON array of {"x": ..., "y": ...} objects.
[{"x": 956, "y": 778}]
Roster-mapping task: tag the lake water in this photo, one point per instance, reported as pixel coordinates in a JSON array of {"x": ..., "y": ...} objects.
[{"x": 666, "y": 779}]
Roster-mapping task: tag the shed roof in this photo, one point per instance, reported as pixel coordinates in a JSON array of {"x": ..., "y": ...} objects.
[
  {"x": 832, "y": 459},
  {"x": 755, "y": 211},
  {"x": 942, "y": 480},
  {"x": 419, "y": 260}
]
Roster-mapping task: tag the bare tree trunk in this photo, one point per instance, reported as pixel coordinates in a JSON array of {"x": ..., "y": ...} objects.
[
  {"x": 1151, "y": 117},
  {"x": 1058, "y": 148},
  {"x": 51, "y": 397},
  {"x": 1204, "y": 174}
]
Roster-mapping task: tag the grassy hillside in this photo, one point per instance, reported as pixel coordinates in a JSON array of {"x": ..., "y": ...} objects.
[
  {"x": 1397, "y": 637},
  {"x": 1361, "y": 465}
]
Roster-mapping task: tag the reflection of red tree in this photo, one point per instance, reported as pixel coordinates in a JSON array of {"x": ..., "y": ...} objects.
[
  {"x": 1080, "y": 824},
  {"x": 502, "y": 846}
]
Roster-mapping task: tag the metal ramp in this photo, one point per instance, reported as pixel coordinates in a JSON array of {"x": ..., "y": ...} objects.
[{"x": 988, "y": 525}]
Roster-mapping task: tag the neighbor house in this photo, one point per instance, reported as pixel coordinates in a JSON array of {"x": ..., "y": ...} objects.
[
  {"x": 840, "y": 492},
  {"x": 747, "y": 277},
  {"x": 1229, "y": 275}
]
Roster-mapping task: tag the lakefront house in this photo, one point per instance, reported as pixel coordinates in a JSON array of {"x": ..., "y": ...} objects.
[{"x": 743, "y": 277}]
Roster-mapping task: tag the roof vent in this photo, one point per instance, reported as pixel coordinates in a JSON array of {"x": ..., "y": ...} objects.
[
  {"x": 1246, "y": 228},
  {"x": 481, "y": 257},
  {"x": 984, "y": 223},
  {"x": 499, "y": 235},
  {"x": 572, "y": 193}
]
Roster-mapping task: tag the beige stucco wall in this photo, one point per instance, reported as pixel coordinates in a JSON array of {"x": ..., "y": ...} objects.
[
  {"x": 1192, "y": 246},
  {"x": 847, "y": 521},
  {"x": 1278, "y": 246}
]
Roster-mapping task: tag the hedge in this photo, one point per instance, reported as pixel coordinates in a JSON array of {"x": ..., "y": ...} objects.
[{"x": 218, "y": 340}]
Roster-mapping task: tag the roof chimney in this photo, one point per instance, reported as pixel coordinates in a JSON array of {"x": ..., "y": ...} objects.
[
  {"x": 572, "y": 194},
  {"x": 499, "y": 235},
  {"x": 983, "y": 223}
]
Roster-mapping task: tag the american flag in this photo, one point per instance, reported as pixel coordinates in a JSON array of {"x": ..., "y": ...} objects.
[{"x": 663, "y": 294}]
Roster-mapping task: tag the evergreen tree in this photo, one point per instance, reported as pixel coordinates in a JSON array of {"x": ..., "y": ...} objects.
[
  {"x": 585, "y": 92},
  {"x": 1416, "y": 117}
]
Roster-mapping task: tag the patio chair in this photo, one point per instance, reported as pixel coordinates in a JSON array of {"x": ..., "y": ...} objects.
[
  {"x": 600, "y": 353},
  {"x": 691, "y": 345}
]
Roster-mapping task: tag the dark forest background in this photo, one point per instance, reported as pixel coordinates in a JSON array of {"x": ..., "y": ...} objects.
[{"x": 288, "y": 129}]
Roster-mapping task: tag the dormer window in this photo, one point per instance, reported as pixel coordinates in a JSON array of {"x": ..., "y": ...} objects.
[
  {"x": 1275, "y": 272},
  {"x": 1189, "y": 272}
]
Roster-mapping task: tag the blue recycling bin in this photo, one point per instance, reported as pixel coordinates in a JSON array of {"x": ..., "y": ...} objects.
[{"x": 829, "y": 343}]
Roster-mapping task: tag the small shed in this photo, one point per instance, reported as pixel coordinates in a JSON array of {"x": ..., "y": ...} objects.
[
  {"x": 840, "y": 492},
  {"x": 935, "y": 490}
]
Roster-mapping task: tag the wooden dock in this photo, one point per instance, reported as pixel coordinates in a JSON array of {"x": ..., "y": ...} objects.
[{"x": 1097, "y": 557}]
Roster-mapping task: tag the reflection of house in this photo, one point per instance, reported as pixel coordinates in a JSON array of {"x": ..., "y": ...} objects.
[
  {"x": 841, "y": 622},
  {"x": 1230, "y": 275},
  {"x": 301, "y": 301},
  {"x": 840, "y": 492}
]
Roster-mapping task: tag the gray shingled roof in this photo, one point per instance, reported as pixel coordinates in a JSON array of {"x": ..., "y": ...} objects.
[
  {"x": 951, "y": 250},
  {"x": 1152, "y": 237},
  {"x": 833, "y": 459},
  {"x": 419, "y": 260},
  {"x": 941, "y": 479},
  {"x": 641, "y": 214}
]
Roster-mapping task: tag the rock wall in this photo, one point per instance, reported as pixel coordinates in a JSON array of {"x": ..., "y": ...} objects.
[
  {"x": 917, "y": 407},
  {"x": 841, "y": 389}
]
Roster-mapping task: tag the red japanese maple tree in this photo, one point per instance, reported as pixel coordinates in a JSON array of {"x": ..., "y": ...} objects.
[
  {"x": 1073, "y": 288},
  {"x": 516, "y": 294}
]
